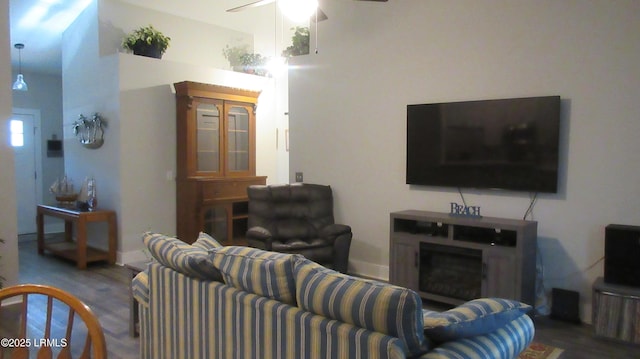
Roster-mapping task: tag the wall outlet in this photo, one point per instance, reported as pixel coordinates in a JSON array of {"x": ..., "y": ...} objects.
[{"x": 299, "y": 177}]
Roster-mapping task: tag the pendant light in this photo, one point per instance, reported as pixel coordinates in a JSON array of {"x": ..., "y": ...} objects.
[{"x": 20, "y": 85}]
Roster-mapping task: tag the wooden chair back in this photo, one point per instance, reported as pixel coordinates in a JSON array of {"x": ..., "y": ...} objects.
[{"x": 21, "y": 345}]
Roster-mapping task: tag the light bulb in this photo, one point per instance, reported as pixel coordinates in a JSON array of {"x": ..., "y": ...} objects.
[
  {"x": 298, "y": 10},
  {"x": 276, "y": 65}
]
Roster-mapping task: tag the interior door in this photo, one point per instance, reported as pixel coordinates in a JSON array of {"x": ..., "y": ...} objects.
[{"x": 22, "y": 129}]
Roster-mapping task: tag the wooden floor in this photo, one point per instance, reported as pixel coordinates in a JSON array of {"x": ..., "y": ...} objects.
[{"x": 105, "y": 289}]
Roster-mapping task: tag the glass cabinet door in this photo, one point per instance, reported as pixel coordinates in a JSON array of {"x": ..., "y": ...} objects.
[
  {"x": 238, "y": 145},
  {"x": 208, "y": 137},
  {"x": 216, "y": 222}
]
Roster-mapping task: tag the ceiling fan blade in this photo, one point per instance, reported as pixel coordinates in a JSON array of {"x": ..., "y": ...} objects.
[
  {"x": 321, "y": 16},
  {"x": 250, "y": 5}
]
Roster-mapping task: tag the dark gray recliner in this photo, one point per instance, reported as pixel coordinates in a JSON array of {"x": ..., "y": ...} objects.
[{"x": 298, "y": 218}]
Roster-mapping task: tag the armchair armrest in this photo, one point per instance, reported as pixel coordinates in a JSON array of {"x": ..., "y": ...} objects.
[
  {"x": 335, "y": 230},
  {"x": 341, "y": 235},
  {"x": 259, "y": 237}
]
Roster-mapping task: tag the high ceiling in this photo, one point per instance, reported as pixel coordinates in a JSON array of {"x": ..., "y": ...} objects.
[{"x": 39, "y": 24}]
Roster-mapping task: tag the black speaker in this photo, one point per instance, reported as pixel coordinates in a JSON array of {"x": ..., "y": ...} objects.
[
  {"x": 622, "y": 255},
  {"x": 565, "y": 305}
]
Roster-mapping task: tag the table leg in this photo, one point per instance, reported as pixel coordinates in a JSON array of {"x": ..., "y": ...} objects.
[
  {"x": 40, "y": 226},
  {"x": 68, "y": 230},
  {"x": 133, "y": 309},
  {"x": 113, "y": 238},
  {"x": 82, "y": 244}
]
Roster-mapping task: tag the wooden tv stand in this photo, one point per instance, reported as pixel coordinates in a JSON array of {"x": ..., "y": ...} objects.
[{"x": 452, "y": 259}]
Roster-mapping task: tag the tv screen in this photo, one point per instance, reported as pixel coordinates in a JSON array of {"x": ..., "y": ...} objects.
[{"x": 509, "y": 144}]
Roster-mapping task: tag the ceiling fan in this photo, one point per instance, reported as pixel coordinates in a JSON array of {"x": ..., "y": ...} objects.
[{"x": 318, "y": 13}]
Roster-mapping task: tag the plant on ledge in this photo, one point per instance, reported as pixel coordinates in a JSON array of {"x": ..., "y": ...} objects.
[
  {"x": 146, "y": 41},
  {"x": 241, "y": 60},
  {"x": 300, "y": 43},
  {"x": 234, "y": 56},
  {"x": 254, "y": 64}
]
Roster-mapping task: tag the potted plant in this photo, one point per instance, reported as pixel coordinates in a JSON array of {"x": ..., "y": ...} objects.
[
  {"x": 300, "y": 42},
  {"x": 234, "y": 56},
  {"x": 146, "y": 41},
  {"x": 241, "y": 60},
  {"x": 254, "y": 64}
]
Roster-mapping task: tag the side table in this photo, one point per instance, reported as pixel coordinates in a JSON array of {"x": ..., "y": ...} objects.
[
  {"x": 134, "y": 268},
  {"x": 78, "y": 251},
  {"x": 616, "y": 312}
]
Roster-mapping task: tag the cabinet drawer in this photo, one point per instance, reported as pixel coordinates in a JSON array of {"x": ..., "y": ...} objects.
[
  {"x": 216, "y": 190},
  {"x": 224, "y": 190}
]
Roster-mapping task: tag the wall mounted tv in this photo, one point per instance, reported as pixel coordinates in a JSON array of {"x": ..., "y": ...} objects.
[{"x": 509, "y": 144}]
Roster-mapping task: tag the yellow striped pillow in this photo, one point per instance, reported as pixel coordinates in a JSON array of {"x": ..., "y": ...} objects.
[
  {"x": 253, "y": 270},
  {"x": 368, "y": 304},
  {"x": 192, "y": 260}
]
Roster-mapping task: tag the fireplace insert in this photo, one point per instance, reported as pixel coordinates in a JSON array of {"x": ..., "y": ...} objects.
[{"x": 450, "y": 271}]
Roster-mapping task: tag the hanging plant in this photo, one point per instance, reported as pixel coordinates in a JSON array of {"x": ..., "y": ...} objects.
[
  {"x": 299, "y": 42},
  {"x": 146, "y": 41}
]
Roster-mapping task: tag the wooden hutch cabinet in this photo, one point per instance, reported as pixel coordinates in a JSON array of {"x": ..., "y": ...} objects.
[{"x": 216, "y": 160}]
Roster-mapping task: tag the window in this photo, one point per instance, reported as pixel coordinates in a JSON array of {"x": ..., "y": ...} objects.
[{"x": 17, "y": 133}]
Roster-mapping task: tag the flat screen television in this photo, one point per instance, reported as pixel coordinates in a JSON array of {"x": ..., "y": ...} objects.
[{"x": 509, "y": 144}]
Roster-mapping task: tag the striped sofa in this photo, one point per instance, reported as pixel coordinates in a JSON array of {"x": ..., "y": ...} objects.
[{"x": 259, "y": 304}]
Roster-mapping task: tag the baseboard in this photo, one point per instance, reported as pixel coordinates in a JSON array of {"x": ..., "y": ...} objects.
[
  {"x": 368, "y": 270},
  {"x": 53, "y": 228},
  {"x": 12, "y": 301},
  {"x": 133, "y": 256}
]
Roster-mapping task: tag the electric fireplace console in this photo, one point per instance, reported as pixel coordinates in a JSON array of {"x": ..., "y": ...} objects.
[{"x": 452, "y": 259}]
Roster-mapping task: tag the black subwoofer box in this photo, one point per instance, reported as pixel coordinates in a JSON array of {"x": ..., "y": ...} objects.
[
  {"x": 622, "y": 255},
  {"x": 565, "y": 305}
]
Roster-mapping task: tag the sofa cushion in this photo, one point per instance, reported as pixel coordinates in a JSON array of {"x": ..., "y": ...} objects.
[
  {"x": 476, "y": 317},
  {"x": 368, "y": 304},
  {"x": 268, "y": 274},
  {"x": 192, "y": 260}
]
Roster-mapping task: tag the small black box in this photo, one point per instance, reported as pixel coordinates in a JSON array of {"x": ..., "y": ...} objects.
[{"x": 565, "y": 305}]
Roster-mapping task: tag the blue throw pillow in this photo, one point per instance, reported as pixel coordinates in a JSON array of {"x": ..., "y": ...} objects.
[{"x": 476, "y": 317}]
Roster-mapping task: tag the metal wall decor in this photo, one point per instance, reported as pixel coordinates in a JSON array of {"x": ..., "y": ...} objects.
[{"x": 90, "y": 131}]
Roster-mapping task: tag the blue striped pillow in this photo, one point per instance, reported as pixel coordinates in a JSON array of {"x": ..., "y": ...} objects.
[
  {"x": 504, "y": 343},
  {"x": 368, "y": 304},
  {"x": 268, "y": 274},
  {"x": 192, "y": 260},
  {"x": 476, "y": 317},
  {"x": 206, "y": 242}
]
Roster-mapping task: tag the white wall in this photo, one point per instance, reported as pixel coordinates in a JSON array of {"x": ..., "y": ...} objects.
[
  {"x": 45, "y": 94},
  {"x": 192, "y": 42},
  {"x": 135, "y": 167},
  {"x": 8, "y": 220},
  {"x": 348, "y": 114},
  {"x": 148, "y": 144}
]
